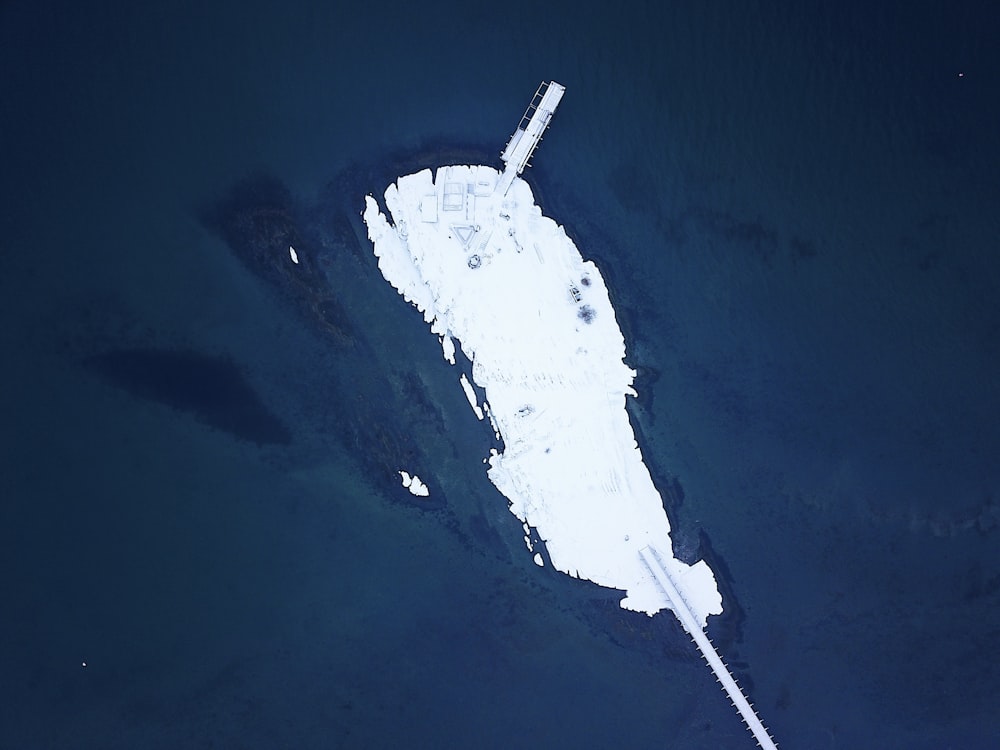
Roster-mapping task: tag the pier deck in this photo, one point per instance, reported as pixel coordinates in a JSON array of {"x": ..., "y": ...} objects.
[{"x": 524, "y": 141}]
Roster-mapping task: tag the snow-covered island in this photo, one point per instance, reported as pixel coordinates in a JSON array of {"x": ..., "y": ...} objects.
[
  {"x": 469, "y": 248},
  {"x": 490, "y": 271},
  {"x": 413, "y": 484}
]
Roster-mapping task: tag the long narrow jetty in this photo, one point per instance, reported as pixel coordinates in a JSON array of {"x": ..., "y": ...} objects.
[{"x": 652, "y": 560}]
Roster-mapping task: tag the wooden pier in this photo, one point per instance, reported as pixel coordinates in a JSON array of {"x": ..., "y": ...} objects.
[{"x": 522, "y": 144}]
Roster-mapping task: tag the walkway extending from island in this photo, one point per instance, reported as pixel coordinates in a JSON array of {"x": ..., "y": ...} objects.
[
  {"x": 524, "y": 141},
  {"x": 652, "y": 560}
]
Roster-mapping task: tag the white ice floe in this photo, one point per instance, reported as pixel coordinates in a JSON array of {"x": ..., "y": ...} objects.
[
  {"x": 470, "y": 394},
  {"x": 485, "y": 267},
  {"x": 414, "y": 485},
  {"x": 448, "y": 348}
]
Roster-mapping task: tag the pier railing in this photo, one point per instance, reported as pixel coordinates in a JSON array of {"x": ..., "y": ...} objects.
[
  {"x": 526, "y": 137},
  {"x": 651, "y": 558}
]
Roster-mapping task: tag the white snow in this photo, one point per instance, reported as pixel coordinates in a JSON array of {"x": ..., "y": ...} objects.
[
  {"x": 536, "y": 321},
  {"x": 470, "y": 394},
  {"x": 448, "y": 348},
  {"x": 413, "y": 484}
]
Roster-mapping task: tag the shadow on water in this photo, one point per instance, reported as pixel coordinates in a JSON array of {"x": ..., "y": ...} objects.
[
  {"x": 211, "y": 388},
  {"x": 387, "y": 419}
]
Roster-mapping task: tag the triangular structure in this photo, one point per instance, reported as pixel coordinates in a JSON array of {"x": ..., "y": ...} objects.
[{"x": 464, "y": 232}]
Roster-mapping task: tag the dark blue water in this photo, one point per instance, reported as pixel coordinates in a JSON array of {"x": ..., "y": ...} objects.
[{"x": 797, "y": 215}]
